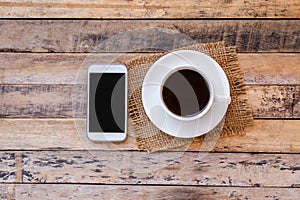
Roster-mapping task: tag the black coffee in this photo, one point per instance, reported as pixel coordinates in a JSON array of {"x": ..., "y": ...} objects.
[{"x": 185, "y": 93}]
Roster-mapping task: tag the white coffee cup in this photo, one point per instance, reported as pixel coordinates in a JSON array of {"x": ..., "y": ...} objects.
[
  {"x": 208, "y": 84},
  {"x": 209, "y": 114}
]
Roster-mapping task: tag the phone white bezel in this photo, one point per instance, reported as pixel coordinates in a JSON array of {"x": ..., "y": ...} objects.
[{"x": 107, "y": 136}]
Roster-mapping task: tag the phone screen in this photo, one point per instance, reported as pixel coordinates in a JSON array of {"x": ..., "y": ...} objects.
[{"x": 107, "y": 102}]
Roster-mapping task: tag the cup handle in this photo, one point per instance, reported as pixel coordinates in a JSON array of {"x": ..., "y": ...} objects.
[{"x": 222, "y": 99}]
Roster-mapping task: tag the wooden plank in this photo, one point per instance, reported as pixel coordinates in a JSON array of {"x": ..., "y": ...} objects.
[
  {"x": 10, "y": 190},
  {"x": 273, "y": 68},
  {"x": 55, "y": 101},
  {"x": 36, "y": 100},
  {"x": 167, "y": 168},
  {"x": 129, "y": 35},
  {"x": 38, "y": 134},
  {"x": 86, "y": 192},
  {"x": 52, "y": 68},
  {"x": 263, "y": 136},
  {"x": 18, "y": 167},
  {"x": 275, "y": 101},
  {"x": 149, "y": 9},
  {"x": 51, "y": 134},
  {"x": 7, "y": 167}
]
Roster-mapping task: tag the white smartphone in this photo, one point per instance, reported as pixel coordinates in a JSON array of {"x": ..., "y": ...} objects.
[{"x": 107, "y": 102}]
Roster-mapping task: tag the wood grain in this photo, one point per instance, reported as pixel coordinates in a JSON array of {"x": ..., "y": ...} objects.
[
  {"x": 272, "y": 68},
  {"x": 149, "y": 9},
  {"x": 61, "y": 134},
  {"x": 63, "y": 101},
  {"x": 129, "y": 35},
  {"x": 167, "y": 168},
  {"x": 3, "y": 192},
  {"x": 263, "y": 136},
  {"x": 275, "y": 101},
  {"x": 89, "y": 192},
  {"x": 18, "y": 167},
  {"x": 58, "y": 68},
  {"x": 26, "y": 101},
  {"x": 7, "y": 167},
  {"x": 10, "y": 192},
  {"x": 39, "y": 60}
]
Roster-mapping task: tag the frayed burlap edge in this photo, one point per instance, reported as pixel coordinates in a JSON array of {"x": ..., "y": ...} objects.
[
  {"x": 239, "y": 113},
  {"x": 238, "y": 116}
]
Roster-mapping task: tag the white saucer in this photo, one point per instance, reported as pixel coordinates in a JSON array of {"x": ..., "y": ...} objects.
[{"x": 151, "y": 96}]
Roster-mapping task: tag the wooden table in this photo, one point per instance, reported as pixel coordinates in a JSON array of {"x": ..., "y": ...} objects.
[{"x": 43, "y": 157}]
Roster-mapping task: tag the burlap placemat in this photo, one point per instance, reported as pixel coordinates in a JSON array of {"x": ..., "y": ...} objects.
[{"x": 238, "y": 115}]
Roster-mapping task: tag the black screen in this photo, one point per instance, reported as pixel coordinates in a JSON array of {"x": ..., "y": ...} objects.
[{"x": 107, "y": 102}]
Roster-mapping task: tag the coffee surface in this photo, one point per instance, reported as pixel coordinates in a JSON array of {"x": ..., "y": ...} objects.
[{"x": 185, "y": 93}]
